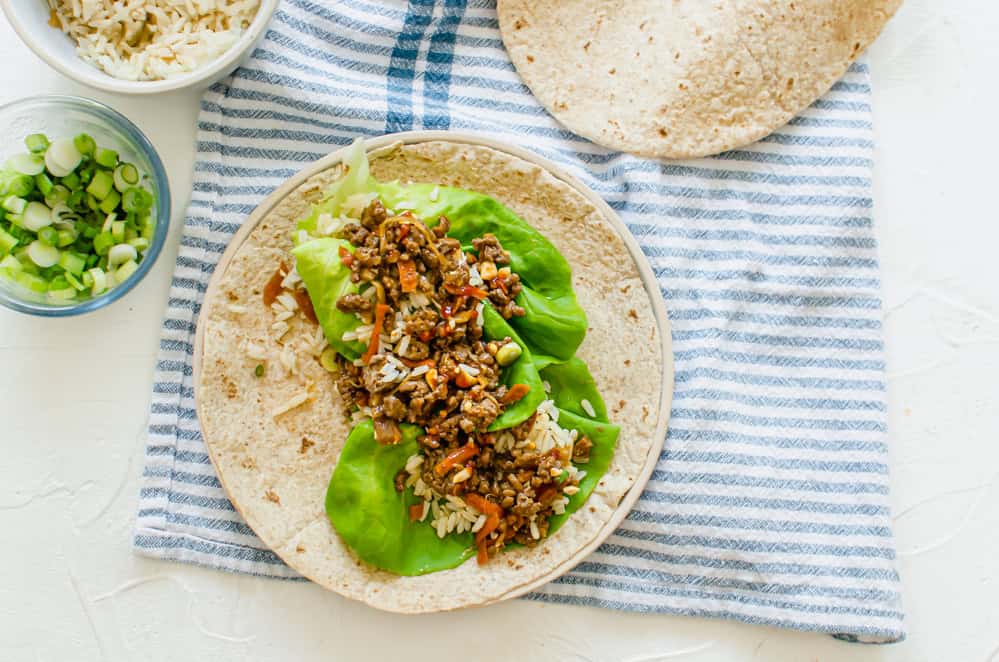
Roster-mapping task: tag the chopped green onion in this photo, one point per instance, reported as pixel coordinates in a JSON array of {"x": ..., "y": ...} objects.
[
  {"x": 62, "y": 157},
  {"x": 139, "y": 243},
  {"x": 36, "y": 142},
  {"x": 26, "y": 164},
  {"x": 110, "y": 203},
  {"x": 31, "y": 281},
  {"x": 118, "y": 231},
  {"x": 76, "y": 199},
  {"x": 36, "y": 216},
  {"x": 42, "y": 254},
  {"x": 11, "y": 263},
  {"x": 71, "y": 181},
  {"x": 98, "y": 280},
  {"x": 21, "y": 186},
  {"x": 44, "y": 184},
  {"x": 65, "y": 238},
  {"x": 103, "y": 243},
  {"x": 84, "y": 144},
  {"x": 106, "y": 157},
  {"x": 136, "y": 200},
  {"x": 48, "y": 235},
  {"x": 77, "y": 285},
  {"x": 7, "y": 242},
  {"x": 57, "y": 196},
  {"x": 120, "y": 254},
  {"x": 92, "y": 203},
  {"x": 72, "y": 262},
  {"x": 14, "y": 204},
  {"x": 126, "y": 270},
  {"x": 100, "y": 185},
  {"x": 125, "y": 175},
  {"x": 62, "y": 294},
  {"x": 328, "y": 359},
  {"x": 259, "y": 370}
]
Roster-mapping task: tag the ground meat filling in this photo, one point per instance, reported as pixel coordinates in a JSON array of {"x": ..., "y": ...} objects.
[{"x": 423, "y": 294}]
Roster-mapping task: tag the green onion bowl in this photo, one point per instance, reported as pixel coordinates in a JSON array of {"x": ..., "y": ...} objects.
[{"x": 84, "y": 205}]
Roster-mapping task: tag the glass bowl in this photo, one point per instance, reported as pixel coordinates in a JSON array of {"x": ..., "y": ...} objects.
[{"x": 66, "y": 116}]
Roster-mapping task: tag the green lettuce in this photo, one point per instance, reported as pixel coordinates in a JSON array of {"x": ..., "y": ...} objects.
[
  {"x": 326, "y": 279},
  {"x": 373, "y": 519},
  {"x": 523, "y": 371},
  {"x": 554, "y": 324}
]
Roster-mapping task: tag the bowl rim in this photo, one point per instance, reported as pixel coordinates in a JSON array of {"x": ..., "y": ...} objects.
[
  {"x": 135, "y": 135},
  {"x": 100, "y": 80}
]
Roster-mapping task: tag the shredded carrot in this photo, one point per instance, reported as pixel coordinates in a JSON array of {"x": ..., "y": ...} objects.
[
  {"x": 408, "y": 277},
  {"x": 457, "y": 456},
  {"x": 404, "y": 231},
  {"x": 516, "y": 392},
  {"x": 346, "y": 257},
  {"x": 273, "y": 287},
  {"x": 467, "y": 291},
  {"x": 481, "y": 555},
  {"x": 305, "y": 303},
  {"x": 380, "y": 311},
  {"x": 415, "y": 512},
  {"x": 492, "y": 522},
  {"x": 484, "y": 506}
]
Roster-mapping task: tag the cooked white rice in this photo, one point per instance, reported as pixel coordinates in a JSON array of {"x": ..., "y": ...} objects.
[{"x": 152, "y": 39}]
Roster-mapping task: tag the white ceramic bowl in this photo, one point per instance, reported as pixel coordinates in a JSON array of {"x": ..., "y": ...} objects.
[{"x": 30, "y": 19}]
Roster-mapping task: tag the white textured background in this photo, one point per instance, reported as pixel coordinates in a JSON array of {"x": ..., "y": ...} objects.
[{"x": 74, "y": 394}]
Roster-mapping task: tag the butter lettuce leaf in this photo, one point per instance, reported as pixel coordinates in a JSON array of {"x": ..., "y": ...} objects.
[
  {"x": 373, "y": 519},
  {"x": 326, "y": 280}
]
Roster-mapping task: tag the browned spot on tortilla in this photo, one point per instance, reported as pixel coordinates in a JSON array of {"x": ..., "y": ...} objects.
[
  {"x": 645, "y": 412},
  {"x": 272, "y": 496},
  {"x": 231, "y": 391},
  {"x": 530, "y": 58},
  {"x": 627, "y": 361},
  {"x": 300, "y": 549},
  {"x": 519, "y": 24},
  {"x": 232, "y": 296},
  {"x": 663, "y": 132},
  {"x": 249, "y": 463},
  {"x": 633, "y": 314},
  {"x": 586, "y": 47},
  {"x": 306, "y": 445},
  {"x": 612, "y": 71},
  {"x": 592, "y": 509}
]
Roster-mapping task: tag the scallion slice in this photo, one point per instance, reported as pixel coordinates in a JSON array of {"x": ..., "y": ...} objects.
[
  {"x": 36, "y": 142},
  {"x": 27, "y": 164},
  {"x": 36, "y": 216},
  {"x": 42, "y": 254},
  {"x": 126, "y": 175}
]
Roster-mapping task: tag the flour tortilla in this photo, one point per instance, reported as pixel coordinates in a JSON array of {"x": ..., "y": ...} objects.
[
  {"x": 684, "y": 78},
  {"x": 276, "y": 470}
]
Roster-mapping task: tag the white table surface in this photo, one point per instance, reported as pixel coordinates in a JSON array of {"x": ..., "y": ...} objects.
[{"x": 74, "y": 395}]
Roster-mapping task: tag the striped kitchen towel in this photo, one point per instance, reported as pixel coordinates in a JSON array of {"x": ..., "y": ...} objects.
[{"x": 770, "y": 501}]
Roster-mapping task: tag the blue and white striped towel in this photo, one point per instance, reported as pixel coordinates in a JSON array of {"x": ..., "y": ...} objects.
[{"x": 770, "y": 502}]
